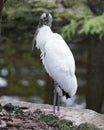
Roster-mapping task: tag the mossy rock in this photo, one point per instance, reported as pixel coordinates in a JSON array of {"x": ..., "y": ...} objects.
[
  {"x": 54, "y": 121},
  {"x": 62, "y": 124},
  {"x": 87, "y": 126}
]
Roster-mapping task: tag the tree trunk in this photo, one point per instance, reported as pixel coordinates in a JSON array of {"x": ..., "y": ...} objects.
[
  {"x": 1, "y": 5},
  {"x": 95, "y": 82},
  {"x": 96, "y": 6}
]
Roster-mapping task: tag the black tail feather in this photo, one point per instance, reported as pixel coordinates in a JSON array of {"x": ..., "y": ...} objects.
[{"x": 65, "y": 94}]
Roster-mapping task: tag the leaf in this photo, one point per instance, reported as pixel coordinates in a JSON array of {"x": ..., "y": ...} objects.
[{"x": 84, "y": 25}]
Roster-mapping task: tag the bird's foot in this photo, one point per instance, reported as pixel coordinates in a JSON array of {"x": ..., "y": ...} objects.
[{"x": 58, "y": 114}]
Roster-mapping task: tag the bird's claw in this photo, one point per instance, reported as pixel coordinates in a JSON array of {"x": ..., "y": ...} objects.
[{"x": 58, "y": 114}]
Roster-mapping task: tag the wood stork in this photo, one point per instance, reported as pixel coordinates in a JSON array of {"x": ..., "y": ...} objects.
[{"x": 57, "y": 59}]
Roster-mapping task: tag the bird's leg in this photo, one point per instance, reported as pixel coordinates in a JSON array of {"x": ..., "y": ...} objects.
[
  {"x": 57, "y": 113},
  {"x": 54, "y": 100},
  {"x": 58, "y": 103},
  {"x": 58, "y": 107}
]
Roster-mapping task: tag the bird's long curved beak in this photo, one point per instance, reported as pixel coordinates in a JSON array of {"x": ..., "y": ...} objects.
[
  {"x": 33, "y": 43},
  {"x": 34, "y": 39}
]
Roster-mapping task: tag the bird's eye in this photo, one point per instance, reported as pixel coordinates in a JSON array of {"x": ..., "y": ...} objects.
[{"x": 44, "y": 18}]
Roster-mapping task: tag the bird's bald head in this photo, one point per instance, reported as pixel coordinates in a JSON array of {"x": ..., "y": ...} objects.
[{"x": 45, "y": 19}]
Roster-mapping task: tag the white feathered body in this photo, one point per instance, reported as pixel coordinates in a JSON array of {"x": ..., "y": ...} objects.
[{"x": 57, "y": 59}]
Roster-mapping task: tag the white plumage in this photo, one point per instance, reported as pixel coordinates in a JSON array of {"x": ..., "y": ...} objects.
[{"x": 57, "y": 58}]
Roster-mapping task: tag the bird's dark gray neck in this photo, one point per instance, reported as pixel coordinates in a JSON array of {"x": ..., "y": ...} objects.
[{"x": 41, "y": 24}]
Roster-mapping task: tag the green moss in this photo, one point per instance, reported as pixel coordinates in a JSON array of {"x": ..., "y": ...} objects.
[
  {"x": 62, "y": 124},
  {"x": 49, "y": 119},
  {"x": 65, "y": 125},
  {"x": 87, "y": 126},
  {"x": 54, "y": 121},
  {"x": 11, "y": 108}
]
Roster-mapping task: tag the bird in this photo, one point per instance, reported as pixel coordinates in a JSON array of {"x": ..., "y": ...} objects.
[{"x": 57, "y": 59}]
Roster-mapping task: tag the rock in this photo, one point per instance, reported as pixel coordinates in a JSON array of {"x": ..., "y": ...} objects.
[
  {"x": 77, "y": 116},
  {"x": 2, "y": 124},
  {"x": 87, "y": 126}
]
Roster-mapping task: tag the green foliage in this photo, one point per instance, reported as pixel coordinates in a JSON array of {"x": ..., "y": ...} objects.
[
  {"x": 43, "y": 4},
  {"x": 70, "y": 3},
  {"x": 20, "y": 9},
  {"x": 70, "y": 30},
  {"x": 93, "y": 26},
  {"x": 84, "y": 25}
]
